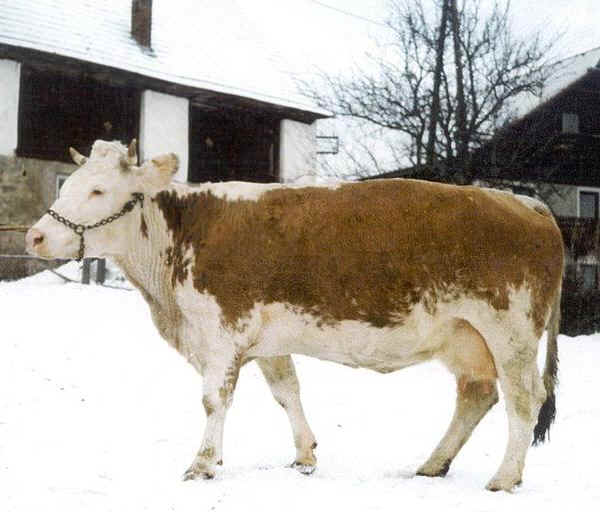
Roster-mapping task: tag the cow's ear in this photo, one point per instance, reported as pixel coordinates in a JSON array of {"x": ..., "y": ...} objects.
[
  {"x": 167, "y": 164},
  {"x": 158, "y": 172}
]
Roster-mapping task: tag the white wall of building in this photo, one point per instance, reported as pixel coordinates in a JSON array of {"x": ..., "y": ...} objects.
[
  {"x": 298, "y": 151},
  {"x": 10, "y": 73},
  {"x": 164, "y": 127}
]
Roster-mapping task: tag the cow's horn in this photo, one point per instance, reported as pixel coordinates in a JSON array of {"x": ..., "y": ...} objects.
[
  {"x": 77, "y": 157},
  {"x": 132, "y": 152}
]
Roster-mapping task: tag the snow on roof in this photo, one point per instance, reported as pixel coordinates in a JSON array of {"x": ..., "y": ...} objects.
[
  {"x": 197, "y": 43},
  {"x": 567, "y": 71}
]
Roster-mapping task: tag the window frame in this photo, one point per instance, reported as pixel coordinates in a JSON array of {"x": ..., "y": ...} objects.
[{"x": 588, "y": 190}]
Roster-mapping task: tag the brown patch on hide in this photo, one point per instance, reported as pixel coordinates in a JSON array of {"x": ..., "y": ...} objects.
[
  {"x": 475, "y": 390},
  {"x": 207, "y": 453},
  {"x": 224, "y": 393},
  {"x": 230, "y": 381},
  {"x": 276, "y": 369},
  {"x": 174, "y": 258},
  {"x": 177, "y": 213},
  {"x": 208, "y": 406},
  {"x": 144, "y": 227},
  {"x": 365, "y": 251}
]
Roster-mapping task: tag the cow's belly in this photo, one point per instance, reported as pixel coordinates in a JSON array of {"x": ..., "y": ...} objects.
[{"x": 348, "y": 342}]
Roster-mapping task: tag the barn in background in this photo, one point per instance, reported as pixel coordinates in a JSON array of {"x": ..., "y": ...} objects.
[
  {"x": 191, "y": 77},
  {"x": 551, "y": 150}
]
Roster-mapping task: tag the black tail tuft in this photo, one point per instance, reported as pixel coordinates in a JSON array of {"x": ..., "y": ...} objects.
[
  {"x": 548, "y": 411},
  {"x": 545, "y": 419}
]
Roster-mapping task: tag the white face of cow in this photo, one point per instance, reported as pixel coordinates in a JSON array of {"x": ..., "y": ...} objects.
[{"x": 101, "y": 186}]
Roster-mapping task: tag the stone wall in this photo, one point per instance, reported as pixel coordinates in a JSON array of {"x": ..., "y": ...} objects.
[{"x": 27, "y": 189}]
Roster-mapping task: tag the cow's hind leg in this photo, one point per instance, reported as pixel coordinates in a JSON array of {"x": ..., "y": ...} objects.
[
  {"x": 281, "y": 377},
  {"x": 524, "y": 394},
  {"x": 466, "y": 355},
  {"x": 474, "y": 399}
]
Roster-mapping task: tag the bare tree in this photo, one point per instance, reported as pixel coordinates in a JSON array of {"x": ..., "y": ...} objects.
[
  {"x": 445, "y": 100},
  {"x": 437, "y": 80},
  {"x": 462, "y": 135}
]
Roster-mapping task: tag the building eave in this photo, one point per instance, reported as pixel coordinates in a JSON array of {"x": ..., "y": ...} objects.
[{"x": 206, "y": 97}]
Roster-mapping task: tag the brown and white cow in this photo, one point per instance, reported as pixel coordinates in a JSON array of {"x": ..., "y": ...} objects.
[{"x": 380, "y": 275}]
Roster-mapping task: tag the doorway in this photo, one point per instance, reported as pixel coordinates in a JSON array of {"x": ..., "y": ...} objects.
[{"x": 233, "y": 145}]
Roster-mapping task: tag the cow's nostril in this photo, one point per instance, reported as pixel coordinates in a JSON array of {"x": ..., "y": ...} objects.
[{"x": 34, "y": 238}]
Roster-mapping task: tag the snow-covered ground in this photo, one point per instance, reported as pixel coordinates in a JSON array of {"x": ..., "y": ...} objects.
[{"x": 97, "y": 413}]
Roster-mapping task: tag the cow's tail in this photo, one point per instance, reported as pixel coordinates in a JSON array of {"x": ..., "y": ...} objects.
[{"x": 548, "y": 411}]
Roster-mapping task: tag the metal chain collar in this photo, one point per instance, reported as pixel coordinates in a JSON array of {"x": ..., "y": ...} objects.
[{"x": 81, "y": 228}]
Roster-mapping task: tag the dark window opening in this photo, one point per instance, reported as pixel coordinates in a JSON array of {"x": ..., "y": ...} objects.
[
  {"x": 58, "y": 111},
  {"x": 233, "y": 146},
  {"x": 588, "y": 205}
]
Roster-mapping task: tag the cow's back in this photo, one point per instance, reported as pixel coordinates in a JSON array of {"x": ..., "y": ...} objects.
[{"x": 370, "y": 251}]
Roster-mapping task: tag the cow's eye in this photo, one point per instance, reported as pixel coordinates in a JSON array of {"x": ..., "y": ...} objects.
[{"x": 97, "y": 192}]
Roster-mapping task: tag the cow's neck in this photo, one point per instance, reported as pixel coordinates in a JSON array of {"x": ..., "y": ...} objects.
[
  {"x": 145, "y": 267},
  {"x": 141, "y": 260}
]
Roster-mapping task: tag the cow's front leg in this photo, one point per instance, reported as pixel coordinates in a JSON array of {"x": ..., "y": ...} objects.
[
  {"x": 218, "y": 386},
  {"x": 280, "y": 374}
]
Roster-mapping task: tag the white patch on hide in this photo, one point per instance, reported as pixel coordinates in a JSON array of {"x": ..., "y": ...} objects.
[{"x": 241, "y": 190}]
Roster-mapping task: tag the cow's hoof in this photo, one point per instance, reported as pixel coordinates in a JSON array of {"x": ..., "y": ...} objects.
[
  {"x": 305, "y": 469},
  {"x": 434, "y": 470},
  {"x": 497, "y": 484},
  {"x": 195, "y": 472}
]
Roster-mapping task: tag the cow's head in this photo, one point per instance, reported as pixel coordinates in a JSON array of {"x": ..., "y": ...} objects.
[{"x": 104, "y": 183}]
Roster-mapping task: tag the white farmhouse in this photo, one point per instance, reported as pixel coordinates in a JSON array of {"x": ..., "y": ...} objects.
[{"x": 190, "y": 76}]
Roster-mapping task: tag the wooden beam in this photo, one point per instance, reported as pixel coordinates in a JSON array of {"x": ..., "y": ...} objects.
[{"x": 18, "y": 228}]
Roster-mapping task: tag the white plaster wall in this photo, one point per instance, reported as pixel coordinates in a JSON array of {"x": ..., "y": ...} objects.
[
  {"x": 164, "y": 127},
  {"x": 298, "y": 151},
  {"x": 10, "y": 72}
]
